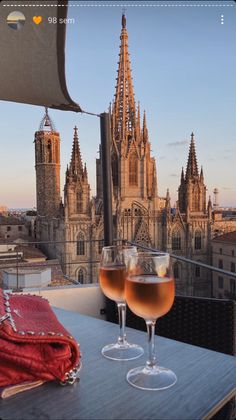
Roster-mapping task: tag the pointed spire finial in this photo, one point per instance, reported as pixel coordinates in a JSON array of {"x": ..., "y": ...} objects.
[
  {"x": 209, "y": 204},
  {"x": 201, "y": 174},
  {"x": 167, "y": 199},
  {"x": 192, "y": 168},
  {"x": 145, "y": 130},
  {"x": 76, "y": 166},
  {"x": 85, "y": 170},
  {"x": 123, "y": 21}
]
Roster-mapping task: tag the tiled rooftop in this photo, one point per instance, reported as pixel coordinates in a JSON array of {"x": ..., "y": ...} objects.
[
  {"x": 227, "y": 237},
  {"x": 30, "y": 252}
]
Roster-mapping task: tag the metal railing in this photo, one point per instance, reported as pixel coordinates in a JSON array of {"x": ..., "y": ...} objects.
[
  {"x": 89, "y": 262},
  {"x": 189, "y": 261}
]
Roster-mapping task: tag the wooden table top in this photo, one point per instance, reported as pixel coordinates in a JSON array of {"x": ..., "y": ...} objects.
[{"x": 206, "y": 381}]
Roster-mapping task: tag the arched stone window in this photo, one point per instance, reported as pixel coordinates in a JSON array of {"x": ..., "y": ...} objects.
[
  {"x": 80, "y": 244},
  {"x": 198, "y": 239},
  {"x": 176, "y": 240},
  {"x": 133, "y": 169},
  {"x": 79, "y": 202},
  {"x": 82, "y": 276}
]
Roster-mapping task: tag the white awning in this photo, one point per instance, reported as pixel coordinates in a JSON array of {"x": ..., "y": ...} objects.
[{"x": 32, "y": 62}]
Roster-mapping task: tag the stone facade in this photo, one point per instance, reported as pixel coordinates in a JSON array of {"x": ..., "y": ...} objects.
[
  {"x": 224, "y": 256},
  {"x": 47, "y": 165},
  {"x": 12, "y": 228},
  {"x": 140, "y": 215}
]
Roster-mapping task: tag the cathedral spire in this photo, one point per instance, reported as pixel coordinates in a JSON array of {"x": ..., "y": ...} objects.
[
  {"x": 76, "y": 166},
  {"x": 192, "y": 168},
  {"x": 124, "y": 104},
  {"x": 201, "y": 175},
  {"x": 145, "y": 130},
  {"x": 167, "y": 205}
]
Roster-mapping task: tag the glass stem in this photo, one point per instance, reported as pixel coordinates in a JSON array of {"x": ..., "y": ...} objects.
[
  {"x": 122, "y": 317},
  {"x": 151, "y": 362}
]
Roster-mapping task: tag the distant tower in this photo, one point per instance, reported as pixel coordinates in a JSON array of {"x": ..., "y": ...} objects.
[
  {"x": 77, "y": 188},
  {"x": 192, "y": 190},
  {"x": 216, "y": 198},
  {"x": 47, "y": 166}
]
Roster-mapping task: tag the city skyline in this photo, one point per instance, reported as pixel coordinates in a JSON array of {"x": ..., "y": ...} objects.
[{"x": 178, "y": 97}]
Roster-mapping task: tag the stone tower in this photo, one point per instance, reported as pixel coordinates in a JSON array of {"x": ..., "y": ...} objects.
[
  {"x": 134, "y": 177},
  {"x": 78, "y": 224},
  {"x": 47, "y": 165},
  {"x": 188, "y": 229},
  {"x": 77, "y": 188},
  {"x": 192, "y": 191}
]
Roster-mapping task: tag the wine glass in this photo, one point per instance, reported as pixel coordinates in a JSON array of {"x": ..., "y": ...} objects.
[
  {"x": 112, "y": 275},
  {"x": 149, "y": 293}
]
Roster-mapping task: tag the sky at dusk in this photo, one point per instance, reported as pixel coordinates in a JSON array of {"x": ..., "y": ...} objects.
[{"x": 183, "y": 64}]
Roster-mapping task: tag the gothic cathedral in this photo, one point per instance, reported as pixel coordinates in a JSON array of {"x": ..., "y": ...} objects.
[{"x": 75, "y": 226}]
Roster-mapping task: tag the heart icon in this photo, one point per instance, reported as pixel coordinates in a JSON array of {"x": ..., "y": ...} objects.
[{"x": 37, "y": 19}]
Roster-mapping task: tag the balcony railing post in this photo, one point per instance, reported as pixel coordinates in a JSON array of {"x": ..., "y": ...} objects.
[{"x": 106, "y": 177}]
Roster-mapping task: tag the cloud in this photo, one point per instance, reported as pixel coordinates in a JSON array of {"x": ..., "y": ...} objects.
[
  {"x": 162, "y": 157},
  {"x": 226, "y": 188},
  {"x": 174, "y": 175},
  {"x": 178, "y": 143}
]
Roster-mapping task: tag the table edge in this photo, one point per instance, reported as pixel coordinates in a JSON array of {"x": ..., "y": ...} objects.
[{"x": 220, "y": 405}]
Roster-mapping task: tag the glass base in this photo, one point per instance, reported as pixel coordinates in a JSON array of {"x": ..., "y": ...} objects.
[
  {"x": 122, "y": 351},
  {"x": 151, "y": 378}
]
